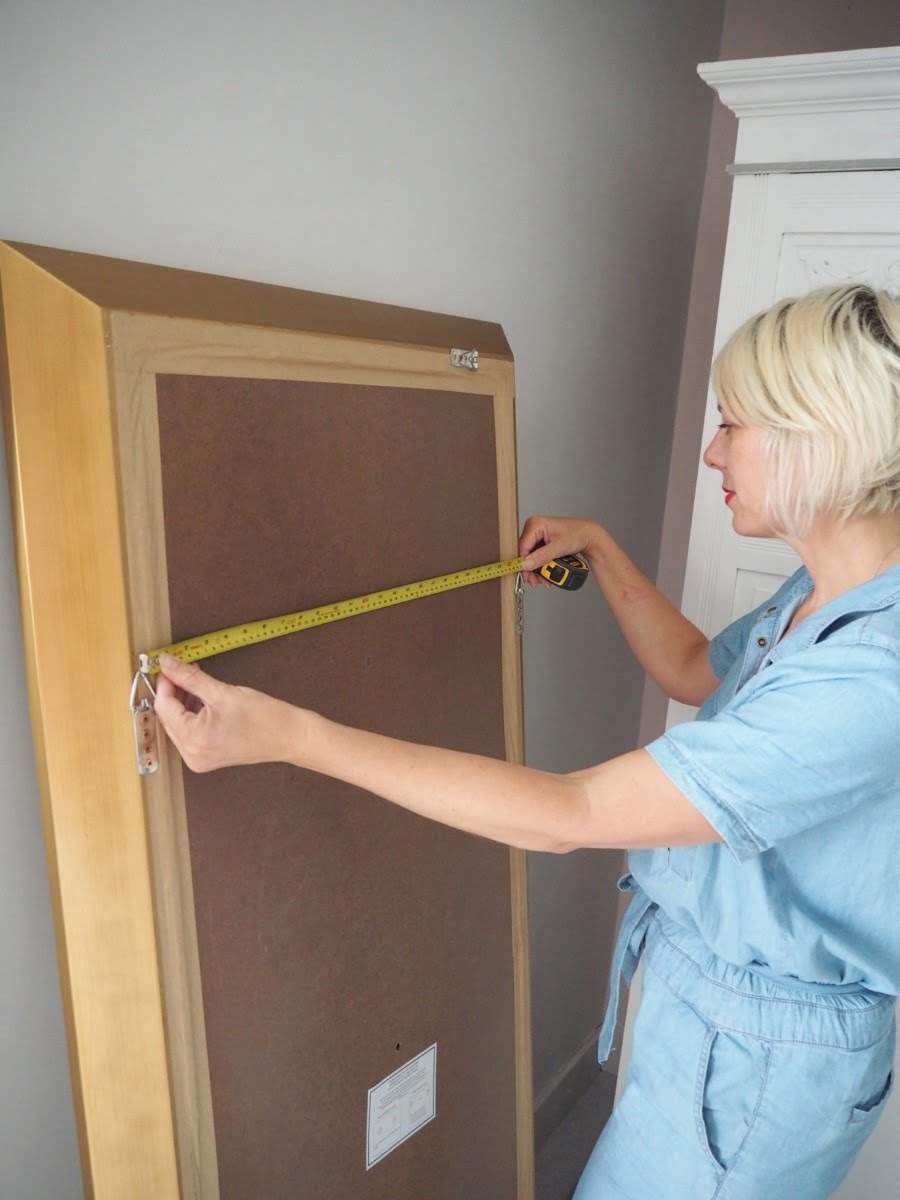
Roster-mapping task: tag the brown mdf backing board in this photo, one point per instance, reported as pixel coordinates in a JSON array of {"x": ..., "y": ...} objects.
[
  {"x": 243, "y": 955},
  {"x": 339, "y": 936}
]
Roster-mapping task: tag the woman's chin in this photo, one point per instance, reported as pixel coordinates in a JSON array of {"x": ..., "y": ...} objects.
[{"x": 746, "y": 525}]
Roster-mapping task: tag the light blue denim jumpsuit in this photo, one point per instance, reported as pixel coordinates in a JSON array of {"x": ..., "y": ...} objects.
[{"x": 764, "y": 1041}]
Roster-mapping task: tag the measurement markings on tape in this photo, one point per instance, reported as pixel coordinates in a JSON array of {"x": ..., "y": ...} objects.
[
  {"x": 205, "y": 646},
  {"x": 568, "y": 573}
]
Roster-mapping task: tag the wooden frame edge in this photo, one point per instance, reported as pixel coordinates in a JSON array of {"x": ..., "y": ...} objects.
[
  {"x": 513, "y": 706},
  {"x": 63, "y": 447},
  {"x": 173, "y": 897},
  {"x": 70, "y": 556}
]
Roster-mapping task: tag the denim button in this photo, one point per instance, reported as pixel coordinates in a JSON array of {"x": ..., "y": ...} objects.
[{"x": 762, "y": 642}]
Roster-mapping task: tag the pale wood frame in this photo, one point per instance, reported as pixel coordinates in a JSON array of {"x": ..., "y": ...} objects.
[{"x": 84, "y": 339}]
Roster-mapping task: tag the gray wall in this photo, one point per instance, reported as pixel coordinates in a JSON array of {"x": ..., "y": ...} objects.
[{"x": 536, "y": 163}]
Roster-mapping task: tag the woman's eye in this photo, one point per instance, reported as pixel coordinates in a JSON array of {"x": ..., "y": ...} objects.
[{"x": 724, "y": 425}]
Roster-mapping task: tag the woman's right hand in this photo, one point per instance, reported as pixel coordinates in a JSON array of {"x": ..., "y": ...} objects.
[{"x": 543, "y": 538}]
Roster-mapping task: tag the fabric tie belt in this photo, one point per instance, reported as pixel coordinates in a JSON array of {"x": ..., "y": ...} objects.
[
  {"x": 625, "y": 957},
  {"x": 630, "y": 944}
]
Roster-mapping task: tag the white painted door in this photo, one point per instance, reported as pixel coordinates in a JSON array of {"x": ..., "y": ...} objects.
[{"x": 787, "y": 234}]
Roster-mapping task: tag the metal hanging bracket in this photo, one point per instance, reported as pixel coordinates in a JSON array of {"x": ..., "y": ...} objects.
[
  {"x": 464, "y": 358},
  {"x": 146, "y": 737}
]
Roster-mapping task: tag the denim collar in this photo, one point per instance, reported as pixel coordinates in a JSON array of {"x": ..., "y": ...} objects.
[{"x": 882, "y": 591}]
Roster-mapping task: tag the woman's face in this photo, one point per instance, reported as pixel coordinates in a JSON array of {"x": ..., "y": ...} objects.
[{"x": 736, "y": 451}]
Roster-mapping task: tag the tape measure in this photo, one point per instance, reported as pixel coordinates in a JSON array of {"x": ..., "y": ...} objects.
[{"x": 568, "y": 572}]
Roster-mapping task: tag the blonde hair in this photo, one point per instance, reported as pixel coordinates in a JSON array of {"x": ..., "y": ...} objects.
[{"x": 821, "y": 375}]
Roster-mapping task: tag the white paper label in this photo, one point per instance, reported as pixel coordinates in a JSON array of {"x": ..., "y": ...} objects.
[{"x": 400, "y": 1105}]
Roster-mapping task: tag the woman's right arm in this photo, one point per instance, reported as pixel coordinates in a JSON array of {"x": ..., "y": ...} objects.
[{"x": 671, "y": 649}]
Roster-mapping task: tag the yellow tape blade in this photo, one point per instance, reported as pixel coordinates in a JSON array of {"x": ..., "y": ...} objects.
[{"x": 209, "y": 644}]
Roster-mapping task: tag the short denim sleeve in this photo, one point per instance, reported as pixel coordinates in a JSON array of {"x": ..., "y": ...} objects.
[{"x": 807, "y": 739}]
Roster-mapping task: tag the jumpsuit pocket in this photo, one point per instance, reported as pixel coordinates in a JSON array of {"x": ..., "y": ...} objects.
[
  {"x": 730, "y": 1084},
  {"x": 681, "y": 860},
  {"x": 872, "y": 1109}
]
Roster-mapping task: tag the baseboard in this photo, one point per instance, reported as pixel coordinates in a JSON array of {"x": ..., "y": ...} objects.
[{"x": 561, "y": 1093}]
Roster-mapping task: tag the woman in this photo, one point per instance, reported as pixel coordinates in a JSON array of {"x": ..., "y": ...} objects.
[{"x": 765, "y": 835}]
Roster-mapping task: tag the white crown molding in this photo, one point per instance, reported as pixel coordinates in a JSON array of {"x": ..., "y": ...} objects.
[{"x": 848, "y": 81}]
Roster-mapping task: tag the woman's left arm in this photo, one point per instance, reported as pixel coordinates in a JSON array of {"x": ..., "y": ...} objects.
[{"x": 628, "y": 802}]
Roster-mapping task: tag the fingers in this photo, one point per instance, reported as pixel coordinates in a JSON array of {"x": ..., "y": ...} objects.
[
  {"x": 538, "y": 545},
  {"x": 174, "y": 714},
  {"x": 213, "y": 724},
  {"x": 545, "y": 538},
  {"x": 182, "y": 692},
  {"x": 189, "y": 678},
  {"x": 532, "y": 541},
  {"x": 169, "y": 704},
  {"x": 537, "y": 534}
]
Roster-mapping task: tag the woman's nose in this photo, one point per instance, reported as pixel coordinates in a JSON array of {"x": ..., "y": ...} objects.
[{"x": 711, "y": 455}]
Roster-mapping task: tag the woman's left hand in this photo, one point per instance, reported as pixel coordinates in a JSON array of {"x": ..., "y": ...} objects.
[{"x": 213, "y": 724}]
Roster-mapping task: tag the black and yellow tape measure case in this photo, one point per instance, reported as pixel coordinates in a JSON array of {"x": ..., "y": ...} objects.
[{"x": 568, "y": 572}]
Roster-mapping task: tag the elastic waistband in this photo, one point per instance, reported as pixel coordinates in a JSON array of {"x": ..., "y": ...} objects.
[
  {"x": 816, "y": 989},
  {"x": 845, "y": 1017}
]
